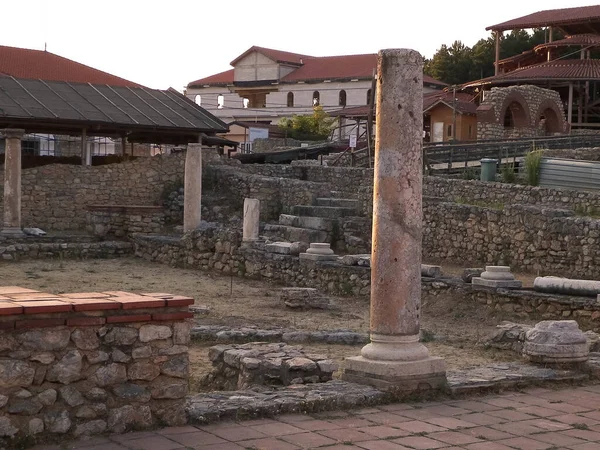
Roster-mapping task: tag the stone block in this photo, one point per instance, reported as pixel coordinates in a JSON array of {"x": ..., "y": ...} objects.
[
  {"x": 313, "y": 257},
  {"x": 470, "y": 273},
  {"x": 497, "y": 284},
  {"x": 282, "y": 248},
  {"x": 431, "y": 271},
  {"x": 556, "y": 341},
  {"x": 303, "y": 298}
]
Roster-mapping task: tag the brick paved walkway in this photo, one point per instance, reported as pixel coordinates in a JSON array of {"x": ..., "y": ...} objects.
[{"x": 536, "y": 419}]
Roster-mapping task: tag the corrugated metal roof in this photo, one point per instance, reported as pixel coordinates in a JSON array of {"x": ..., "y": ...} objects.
[
  {"x": 25, "y": 103},
  {"x": 577, "y": 40},
  {"x": 36, "y": 64},
  {"x": 550, "y": 17}
]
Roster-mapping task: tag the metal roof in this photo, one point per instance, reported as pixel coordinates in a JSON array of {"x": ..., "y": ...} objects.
[{"x": 144, "y": 115}]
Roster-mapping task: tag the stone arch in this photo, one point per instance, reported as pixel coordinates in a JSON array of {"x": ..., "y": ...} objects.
[
  {"x": 515, "y": 110},
  {"x": 550, "y": 117}
]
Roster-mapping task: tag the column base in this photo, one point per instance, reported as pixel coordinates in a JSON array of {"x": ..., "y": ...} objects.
[
  {"x": 12, "y": 232},
  {"x": 404, "y": 376}
]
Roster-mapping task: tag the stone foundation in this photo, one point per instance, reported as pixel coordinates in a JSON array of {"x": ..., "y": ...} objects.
[
  {"x": 259, "y": 363},
  {"x": 81, "y": 364}
]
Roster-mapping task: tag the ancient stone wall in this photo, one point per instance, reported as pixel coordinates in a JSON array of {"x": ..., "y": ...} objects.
[
  {"x": 121, "y": 221},
  {"x": 56, "y": 196},
  {"x": 585, "y": 154},
  {"x": 17, "y": 251},
  {"x": 532, "y": 111},
  {"x": 83, "y": 366}
]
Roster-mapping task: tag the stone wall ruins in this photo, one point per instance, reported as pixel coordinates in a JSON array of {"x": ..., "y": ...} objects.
[{"x": 520, "y": 111}]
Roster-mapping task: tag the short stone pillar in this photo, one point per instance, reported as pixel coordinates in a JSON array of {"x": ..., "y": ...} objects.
[
  {"x": 12, "y": 183},
  {"x": 395, "y": 358},
  {"x": 192, "y": 195},
  {"x": 319, "y": 251},
  {"x": 497, "y": 277},
  {"x": 251, "y": 219},
  {"x": 556, "y": 342}
]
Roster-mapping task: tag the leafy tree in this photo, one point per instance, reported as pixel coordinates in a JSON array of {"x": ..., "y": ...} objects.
[{"x": 314, "y": 127}]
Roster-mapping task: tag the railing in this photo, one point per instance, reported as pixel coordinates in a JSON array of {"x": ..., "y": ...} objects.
[{"x": 452, "y": 157}]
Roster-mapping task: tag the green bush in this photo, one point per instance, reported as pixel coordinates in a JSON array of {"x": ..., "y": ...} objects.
[
  {"x": 508, "y": 173},
  {"x": 316, "y": 126},
  {"x": 533, "y": 161}
]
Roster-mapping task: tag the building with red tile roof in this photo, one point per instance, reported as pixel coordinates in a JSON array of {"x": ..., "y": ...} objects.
[
  {"x": 43, "y": 65},
  {"x": 565, "y": 66},
  {"x": 266, "y": 85}
]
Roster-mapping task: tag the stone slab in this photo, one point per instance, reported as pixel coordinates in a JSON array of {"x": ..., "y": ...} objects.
[
  {"x": 316, "y": 257},
  {"x": 498, "y": 284},
  {"x": 409, "y": 376},
  {"x": 431, "y": 271},
  {"x": 283, "y": 248}
]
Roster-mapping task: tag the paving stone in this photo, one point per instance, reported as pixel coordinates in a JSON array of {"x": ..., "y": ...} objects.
[
  {"x": 194, "y": 438},
  {"x": 277, "y": 429},
  {"x": 420, "y": 442},
  {"x": 154, "y": 442},
  {"x": 381, "y": 445},
  {"x": 417, "y": 426},
  {"x": 308, "y": 440},
  {"x": 316, "y": 425},
  {"x": 386, "y": 418},
  {"x": 524, "y": 443},
  {"x": 454, "y": 437},
  {"x": 384, "y": 432},
  {"x": 268, "y": 444},
  {"x": 450, "y": 423},
  {"x": 346, "y": 435},
  {"x": 239, "y": 433}
]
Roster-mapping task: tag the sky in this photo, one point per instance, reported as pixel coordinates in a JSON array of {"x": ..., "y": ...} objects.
[{"x": 162, "y": 44}]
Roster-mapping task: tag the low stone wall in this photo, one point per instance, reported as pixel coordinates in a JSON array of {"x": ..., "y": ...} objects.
[
  {"x": 82, "y": 364},
  {"x": 20, "y": 250},
  {"x": 122, "y": 220},
  {"x": 586, "y": 154}
]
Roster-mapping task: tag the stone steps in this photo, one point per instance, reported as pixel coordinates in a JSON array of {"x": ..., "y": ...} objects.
[
  {"x": 313, "y": 223},
  {"x": 338, "y": 202},
  {"x": 327, "y": 212},
  {"x": 295, "y": 234}
]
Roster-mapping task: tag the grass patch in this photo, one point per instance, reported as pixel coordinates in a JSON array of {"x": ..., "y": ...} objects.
[
  {"x": 582, "y": 211},
  {"x": 533, "y": 162}
]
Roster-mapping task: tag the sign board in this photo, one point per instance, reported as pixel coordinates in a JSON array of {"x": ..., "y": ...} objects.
[
  {"x": 258, "y": 133},
  {"x": 352, "y": 141}
]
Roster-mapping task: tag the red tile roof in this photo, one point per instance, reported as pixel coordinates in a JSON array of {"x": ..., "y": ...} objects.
[
  {"x": 564, "y": 69},
  {"x": 577, "y": 40},
  {"x": 464, "y": 101},
  {"x": 276, "y": 55},
  {"x": 312, "y": 68},
  {"x": 37, "y": 64},
  {"x": 550, "y": 17}
]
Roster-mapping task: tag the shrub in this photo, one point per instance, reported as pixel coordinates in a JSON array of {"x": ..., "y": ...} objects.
[
  {"x": 533, "y": 161},
  {"x": 508, "y": 173}
]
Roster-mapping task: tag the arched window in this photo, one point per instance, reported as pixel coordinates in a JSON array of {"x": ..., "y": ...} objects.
[
  {"x": 369, "y": 97},
  {"x": 290, "y": 99},
  {"x": 220, "y": 101},
  {"x": 316, "y": 98},
  {"x": 342, "y": 101},
  {"x": 198, "y": 100}
]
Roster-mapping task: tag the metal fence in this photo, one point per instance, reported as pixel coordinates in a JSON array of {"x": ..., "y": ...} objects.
[
  {"x": 457, "y": 157},
  {"x": 559, "y": 173}
]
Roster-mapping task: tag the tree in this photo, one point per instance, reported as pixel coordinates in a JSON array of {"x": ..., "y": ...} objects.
[{"x": 314, "y": 127}]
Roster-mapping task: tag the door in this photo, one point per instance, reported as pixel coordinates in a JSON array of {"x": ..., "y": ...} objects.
[{"x": 438, "y": 132}]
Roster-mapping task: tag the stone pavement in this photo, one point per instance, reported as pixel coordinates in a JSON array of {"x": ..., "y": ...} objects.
[{"x": 537, "y": 418}]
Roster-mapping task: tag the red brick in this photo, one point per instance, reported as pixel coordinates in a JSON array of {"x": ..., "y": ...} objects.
[
  {"x": 92, "y": 304},
  {"x": 172, "y": 316},
  {"x": 45, "y": 306},
  {"x": 32, "y": 296},
  {"x": 14, "y": 290},
  {"x": 139, "y": 302},
  {"x": 39, "y": 323},
  {"x": 7, "y": 325},
  {"x": 10, "y": 308},
  {"x": 85, "y": 321},
  {"x": 85, "y": 295},
  {"x": 129, "y": 318},
  {"x": 180, "y": 301}
]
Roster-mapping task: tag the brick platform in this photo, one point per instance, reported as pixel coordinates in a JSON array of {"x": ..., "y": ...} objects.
[{"x": 85, "y": 363}]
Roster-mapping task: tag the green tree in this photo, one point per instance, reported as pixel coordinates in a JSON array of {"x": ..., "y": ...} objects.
[{"x": 316, "y": 126}]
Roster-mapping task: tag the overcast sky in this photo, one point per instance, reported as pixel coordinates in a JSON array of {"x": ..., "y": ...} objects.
[{"x": 163, "y": 44}]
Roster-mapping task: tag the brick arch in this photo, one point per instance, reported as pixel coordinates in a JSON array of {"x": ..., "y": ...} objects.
[
  {"x": 519, "y": 108},
  {"x": 553, "y": 114}
]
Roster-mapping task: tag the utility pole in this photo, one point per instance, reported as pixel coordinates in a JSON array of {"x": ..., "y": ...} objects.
[{"x": 454, "y": 113}]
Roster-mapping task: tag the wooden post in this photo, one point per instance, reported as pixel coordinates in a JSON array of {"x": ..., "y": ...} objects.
[
  {"x": 496, "y": 68},
  {"x": 370, "y": 139},
  {"x": 549, "y": 40},
  {"x": 84, "y": 152},
  {"x": 570, "y": 105}
]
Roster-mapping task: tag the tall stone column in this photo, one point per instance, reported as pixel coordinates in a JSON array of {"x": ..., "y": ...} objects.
[
  {"x": 192, "y": 203},
  {"x": 251, "y": 219},
  {"x": 12, "y": 182},
  {"x": 395, "y": 358}
]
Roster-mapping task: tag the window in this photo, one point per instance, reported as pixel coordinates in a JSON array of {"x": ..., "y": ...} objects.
[
  {"x": 198, "y": 99},
  {"x": 220, "y": 101},
  {"x": 369, "y": 97},
  {"x": 30, "y": 147},
  {"x": 470, "y": 131},
  {"x": 342, "y": 101},
  {"x": 449, "y": 131},
  {"x": 290, "y": 99},
  {"x": 245, "y": 102},
  {"x": 316, "y": 98}
]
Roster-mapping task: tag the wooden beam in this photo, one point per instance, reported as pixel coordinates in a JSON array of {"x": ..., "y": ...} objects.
[
  {"x": 570, "y": 105},
  {"x": 496, "y": 68}
]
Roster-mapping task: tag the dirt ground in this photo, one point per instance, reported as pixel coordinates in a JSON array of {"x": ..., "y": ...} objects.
[{"x": 455, "y": 324}]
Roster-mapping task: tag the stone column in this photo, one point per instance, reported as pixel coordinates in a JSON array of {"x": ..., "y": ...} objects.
[
  {"x": 12, "y": 183},
  {"x": 251, "y": 219},
  {"x": 192, "y": 207},
  {"x": 395, "y": 358}
]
